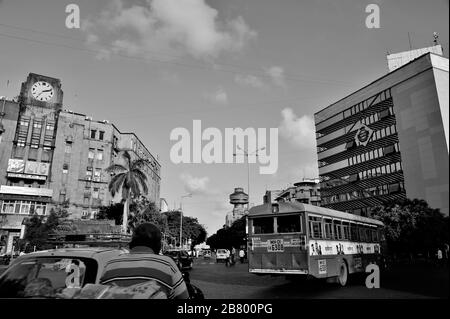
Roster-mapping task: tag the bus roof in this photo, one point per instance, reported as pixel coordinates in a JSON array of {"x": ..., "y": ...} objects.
[{"x": 294, "y": 207}]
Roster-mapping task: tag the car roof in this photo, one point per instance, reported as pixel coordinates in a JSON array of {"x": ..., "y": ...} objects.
[{"x": 87, "y": 252}]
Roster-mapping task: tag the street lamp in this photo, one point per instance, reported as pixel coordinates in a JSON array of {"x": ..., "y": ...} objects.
[
  {"x": 248, "y": 168},
  {"x": 181, "y": 217}
]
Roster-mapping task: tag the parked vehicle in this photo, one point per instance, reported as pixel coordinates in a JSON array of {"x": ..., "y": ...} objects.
[
  {"x": 181, "y": 258},
  {"x": 221, "y": 255},
  {"x": 206, "y": 253}
]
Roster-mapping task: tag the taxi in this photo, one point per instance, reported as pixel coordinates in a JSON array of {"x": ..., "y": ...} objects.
[{"x": 46, "y": 273}]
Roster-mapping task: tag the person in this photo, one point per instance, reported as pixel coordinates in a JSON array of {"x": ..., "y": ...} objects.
[
  {"x": 241, "y": 255},
  {"x": 439, "y": 257},
  {"x": 233, "y": 253},
  {"x": 228, "y": 258},
  {"x": 144, "y": 263}
]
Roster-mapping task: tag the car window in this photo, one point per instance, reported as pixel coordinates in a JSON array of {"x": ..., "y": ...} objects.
[
  {"x": 46, "y": 276},
  {"x": 221, "y": 251}
]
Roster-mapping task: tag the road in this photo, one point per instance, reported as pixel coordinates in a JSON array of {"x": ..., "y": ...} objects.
[{"x": 219, "y": 282}]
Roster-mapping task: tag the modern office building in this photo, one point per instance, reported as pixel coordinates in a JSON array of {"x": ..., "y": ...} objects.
[
  {"x": 307, "y": 191},
  {"x": 50, "y": 157},
  {"x": 388, "y": 140}
]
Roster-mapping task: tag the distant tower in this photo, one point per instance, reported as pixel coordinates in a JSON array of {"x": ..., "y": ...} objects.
[{"x": 239, "y": 199}]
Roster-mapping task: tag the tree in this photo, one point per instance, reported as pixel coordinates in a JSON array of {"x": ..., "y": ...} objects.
[
  {"x": 412, "y": 227},
  {"x": 38, "y": 228},
  {"x": 145, "y": 211},
  {"x": 227, "y": 237},
  {"x": 129, "y": 179},
  {"x": 191, "y": 228},
  {"x": 112, "y": 212}
]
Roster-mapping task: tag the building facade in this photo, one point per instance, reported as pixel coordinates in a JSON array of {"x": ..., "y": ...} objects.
[
  {"x": 307, "y": 192},
  {"x": 50, "y": 157},
  {"x": 388, "y": 140}
]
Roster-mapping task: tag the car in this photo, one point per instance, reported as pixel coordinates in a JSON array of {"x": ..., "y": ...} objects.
[
  {"x": 207, "y": 253},
  {"x": 181, "y": 258},
  {"x": 221, "y": 255},
  {"x": 56, "y": 269}
]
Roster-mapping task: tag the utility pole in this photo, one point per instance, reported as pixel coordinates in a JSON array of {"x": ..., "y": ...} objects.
[{"x": 181, "y": 218}]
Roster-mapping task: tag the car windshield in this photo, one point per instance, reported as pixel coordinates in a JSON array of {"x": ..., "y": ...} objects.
[
  {"x": 221, "y": 251},
  {"x": 44, "y": 277}
]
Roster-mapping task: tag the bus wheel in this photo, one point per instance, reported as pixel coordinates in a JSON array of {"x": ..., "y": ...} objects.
[{"x": 343, "y": 274}]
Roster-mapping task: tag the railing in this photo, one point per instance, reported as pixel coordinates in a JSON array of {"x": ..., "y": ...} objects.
[{"x": 90, "y": 239}]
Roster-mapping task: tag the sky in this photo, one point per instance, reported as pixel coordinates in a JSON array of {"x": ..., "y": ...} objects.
[{"x": 151, "y": 66}]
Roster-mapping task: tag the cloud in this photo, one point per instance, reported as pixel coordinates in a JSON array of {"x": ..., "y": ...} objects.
[
  {"x": 249, "y": 80},
  {"x": 195, "y": 185},
  {"x": 299, "y": 131},
  {"x": 219, "y": 96},
  {"x": 166, "y": 27},
  {"x": 276, "y": 74}
]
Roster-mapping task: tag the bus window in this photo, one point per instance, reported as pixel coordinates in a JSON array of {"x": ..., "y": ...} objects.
[
  {"x": 375, "y": 236},
  {"x": 353, "y": 232},
  {"x": 368, "y": 234},
  {"x": 315, "y": 227},
  {"x": 345, "y": 231},
  {"x": 337, "y": 229},
  {"x": 362, "y": 233},
  {"x": 263, "y": 225},
  {"x": 328, "y": 228},
  {"x": 288, "y": 224}
]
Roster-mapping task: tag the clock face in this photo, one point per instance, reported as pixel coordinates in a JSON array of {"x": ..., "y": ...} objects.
[{"x": 42, "y": 91}]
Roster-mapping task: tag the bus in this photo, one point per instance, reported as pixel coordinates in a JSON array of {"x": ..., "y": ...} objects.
[{"x": 292, "y": 238}]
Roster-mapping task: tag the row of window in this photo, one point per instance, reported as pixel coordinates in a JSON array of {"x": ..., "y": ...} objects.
[
  {"x": 284, "y": 224},
  {"x": 360, "y": 107},
  {"x": 22, "y": 133},
  {"x": 93, "y": 174},
  {"x": 101, "y": 134},
  {"x": 23, "y": 207},
  {"x": 95, "y": 154},
  {"x": 373, "y": 154},
  {"x": 333, "y": 229},
  {"x": 364, "y": 193}
]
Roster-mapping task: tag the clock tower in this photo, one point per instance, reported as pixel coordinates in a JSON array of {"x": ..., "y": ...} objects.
[{"x": 41, "y": 91}]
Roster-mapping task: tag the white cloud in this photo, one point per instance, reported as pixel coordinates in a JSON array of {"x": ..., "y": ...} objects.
[
  {"x": 299, "y": 131},
  {"x": 196, "y": 185},
  {"x": 276, "y": 74},
  {"x": 159, "y": 27},
  {"x": 249, "y": 80},
  {"x": 219, "y": 96}
]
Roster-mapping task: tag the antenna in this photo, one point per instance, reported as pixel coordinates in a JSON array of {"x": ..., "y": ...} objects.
[
  {"x": 436, "y": 37},
  {"x": 410, "y": 42}
]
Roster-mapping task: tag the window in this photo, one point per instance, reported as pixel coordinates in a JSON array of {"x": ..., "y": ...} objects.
[
  {"x": 337, "y": 229},
  {"x": 328, "y": 228},
  {"x": 353, "y": 232},
  {"x": 345, "y": 231},
  {"x": 263, "y": 225},
  {"x": 68, "y": 148},
  {"x": 65, "y": 168},
  {"x": 384, "y": 113},
  {"x": 97, "y": 174},
  {"x": 101, "y": 135},
  {"x": 89, "y": 173},
  {"x": 91, "y": 153},
  {"x": 93, "y": 133},
  {"x": 315, "y": 227},
  {"x": 288, "y": 224},
  {"x": 95, "y": 193},
  {"x": 350, "y": 145},
  {"x": 100, "y": 155}
]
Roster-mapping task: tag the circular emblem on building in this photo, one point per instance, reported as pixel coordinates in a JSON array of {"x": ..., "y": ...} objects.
[{"x": 363, "y": 135}]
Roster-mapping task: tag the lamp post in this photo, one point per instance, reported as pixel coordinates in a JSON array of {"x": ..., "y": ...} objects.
[
  {"x": 245, "y": 153},
  {"x": 181, "y": 218}
]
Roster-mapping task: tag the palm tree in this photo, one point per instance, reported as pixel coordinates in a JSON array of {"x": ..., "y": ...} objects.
[{"x": 130, "y": 179}]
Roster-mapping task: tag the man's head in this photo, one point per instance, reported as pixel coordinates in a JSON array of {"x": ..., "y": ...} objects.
[{"x": 147, "y": 235}]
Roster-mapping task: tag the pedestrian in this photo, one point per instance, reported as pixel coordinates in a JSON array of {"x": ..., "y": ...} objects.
[
  {"x": 241, "y": 255},
  {"x": 439, "y": 257},
  {"x": 144, "y": 263},
  {"x": 227, "y": 259},
  {"x": 233, "y": 254}
]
